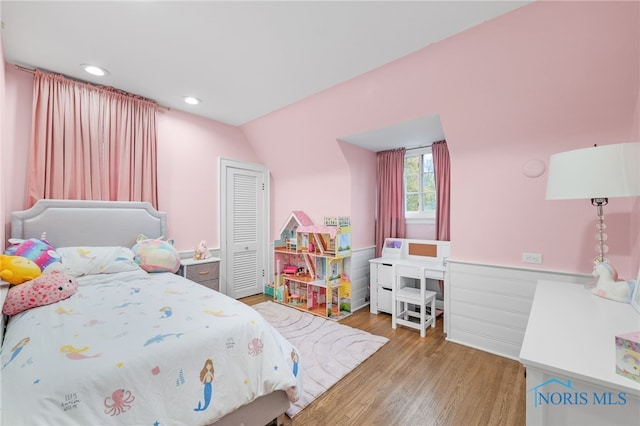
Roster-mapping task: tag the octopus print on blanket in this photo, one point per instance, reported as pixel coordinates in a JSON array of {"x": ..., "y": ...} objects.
[
  {"x": 110, "y": 354},
  {"x": 119, "y": 402}
]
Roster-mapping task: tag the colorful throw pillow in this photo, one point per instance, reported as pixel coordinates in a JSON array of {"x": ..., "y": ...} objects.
[
  {"x": 156, "y": 255},
  {"x": 37, "y": 250},
  {"x": 44, "y": 290},
  {"x": 79, "y": 261}
]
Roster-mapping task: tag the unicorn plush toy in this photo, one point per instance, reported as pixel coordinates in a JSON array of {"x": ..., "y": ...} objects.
[
  {"x": 201, "y": 251},
  {"x": 608, "y": 285}
]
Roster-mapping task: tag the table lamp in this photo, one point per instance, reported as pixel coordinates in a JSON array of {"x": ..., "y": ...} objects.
[{"x": 596, "y": 173}]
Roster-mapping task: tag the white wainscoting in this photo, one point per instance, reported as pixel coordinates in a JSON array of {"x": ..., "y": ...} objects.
[
  {"x": 357, "y": 268},
  {"x": 487, "y": 306}
]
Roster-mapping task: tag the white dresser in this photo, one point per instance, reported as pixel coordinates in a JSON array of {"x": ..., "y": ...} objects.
[{"x": 569, "y": 354}]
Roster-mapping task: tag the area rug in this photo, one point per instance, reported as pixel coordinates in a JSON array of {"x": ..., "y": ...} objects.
[{"x": 328, "y": 350}]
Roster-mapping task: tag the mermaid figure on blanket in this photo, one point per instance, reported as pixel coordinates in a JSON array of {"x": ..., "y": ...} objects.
[
  {"x": 206, "y": 377},
  {"x": 16, "y": 350}
]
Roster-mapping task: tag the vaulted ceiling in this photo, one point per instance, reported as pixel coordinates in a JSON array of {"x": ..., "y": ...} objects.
[{"x": 242, "y": 59}]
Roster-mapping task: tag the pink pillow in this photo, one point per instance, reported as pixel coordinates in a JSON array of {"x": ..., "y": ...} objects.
[{"x": 44, "y": 290}]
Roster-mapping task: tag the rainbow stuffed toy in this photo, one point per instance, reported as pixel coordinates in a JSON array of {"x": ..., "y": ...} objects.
[
  {"x": 39, "y": 251},
  {"x": 156, "y": 255}
]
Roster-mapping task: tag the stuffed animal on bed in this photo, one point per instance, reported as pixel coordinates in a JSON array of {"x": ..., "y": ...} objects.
[
  {"x": 39, "y": 251},
  {"x": 44, "y": 290},
  {"x": 18, "y": 269},
  {"x": 156, "y": 255}
]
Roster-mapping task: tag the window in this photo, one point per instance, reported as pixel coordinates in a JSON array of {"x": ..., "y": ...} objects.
[{"x": 419, "y": 186}]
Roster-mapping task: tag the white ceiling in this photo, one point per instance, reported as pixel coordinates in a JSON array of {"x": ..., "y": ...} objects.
[
  {"x": 243, "y": 59},
  {"x": 410, "y": 134}
]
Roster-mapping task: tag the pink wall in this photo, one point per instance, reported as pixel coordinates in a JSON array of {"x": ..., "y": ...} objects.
[
  {"x": 361, "y": 176},
  {"x": 3, "y": 189},
  {"x": 16, "y": 116},
  {"x": 635, "y": 224},
  {"x": 309, "y": 171},
  {"x": 189, "y": 148},
  {"x": 549, "y": 77}
]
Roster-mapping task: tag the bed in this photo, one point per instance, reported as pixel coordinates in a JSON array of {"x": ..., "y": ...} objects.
[{"x": 132, "y": 347}]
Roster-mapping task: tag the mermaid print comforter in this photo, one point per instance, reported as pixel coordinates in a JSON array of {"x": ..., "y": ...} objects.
[{"x": 156, "y": 351}]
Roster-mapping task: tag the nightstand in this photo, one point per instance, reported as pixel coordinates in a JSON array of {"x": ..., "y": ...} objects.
[{"x": 205, "y": 271}]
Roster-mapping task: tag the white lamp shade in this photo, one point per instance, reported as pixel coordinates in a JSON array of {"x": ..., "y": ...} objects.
[{"x": 598, "y": 172}]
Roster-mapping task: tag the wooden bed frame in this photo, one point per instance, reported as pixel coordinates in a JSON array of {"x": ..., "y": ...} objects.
[{"x": 118, "y": 223}]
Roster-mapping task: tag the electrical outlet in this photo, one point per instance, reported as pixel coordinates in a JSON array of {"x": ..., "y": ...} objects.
[{"x": 532, "y": 258}]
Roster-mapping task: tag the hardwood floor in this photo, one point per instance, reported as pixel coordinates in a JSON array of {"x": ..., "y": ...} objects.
[{"x": 414, "y": 381}]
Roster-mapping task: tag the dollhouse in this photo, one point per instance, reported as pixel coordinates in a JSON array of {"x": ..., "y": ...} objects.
[{"x": 309, "y": 266}]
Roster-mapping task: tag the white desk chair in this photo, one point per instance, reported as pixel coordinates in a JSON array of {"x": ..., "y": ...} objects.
[{"x": 405, "y": 298}]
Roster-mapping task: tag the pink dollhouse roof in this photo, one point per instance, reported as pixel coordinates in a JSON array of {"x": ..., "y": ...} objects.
[
  {"x": 302, "y": 218},
  {"x": 296, "y": 218}
]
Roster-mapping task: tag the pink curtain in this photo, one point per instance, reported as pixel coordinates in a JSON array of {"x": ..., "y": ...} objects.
[
  {"x": 390, "y": 197},
  {"x": 91, "y": 143},
  {"x": 441, "y": 170}
]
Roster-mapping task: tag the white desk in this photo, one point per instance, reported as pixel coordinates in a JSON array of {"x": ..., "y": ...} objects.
[
  {"x": 571, "y": 336},
  {"x": 407, "y": 252}
]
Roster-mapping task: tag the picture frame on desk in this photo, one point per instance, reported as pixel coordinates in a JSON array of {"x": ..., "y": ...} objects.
[{"x": 635, "y": 296}]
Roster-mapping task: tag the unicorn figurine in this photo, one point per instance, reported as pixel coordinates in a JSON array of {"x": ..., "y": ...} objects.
[{"x": 608, "y": 285}]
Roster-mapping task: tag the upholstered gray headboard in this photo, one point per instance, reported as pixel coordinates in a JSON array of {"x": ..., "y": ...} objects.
[{"x": 89, "y": 223}]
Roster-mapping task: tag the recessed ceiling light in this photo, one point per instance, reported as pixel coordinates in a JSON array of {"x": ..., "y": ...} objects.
[
  {"x": 191, "y": 100},
  {"x": 94, "y": 70}
]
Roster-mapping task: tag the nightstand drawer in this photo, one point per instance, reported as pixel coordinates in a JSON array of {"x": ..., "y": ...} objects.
[
  {"x": 212, "y": 284},
  {"x": 205, "y": 271},
  {"x": 202, "y": 272}
]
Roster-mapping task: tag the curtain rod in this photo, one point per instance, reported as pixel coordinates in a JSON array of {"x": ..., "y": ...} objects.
[
  {"x": 418, "y": 147},
  {"x": 425, "y": 146},
  {"x": 32, "y": 71},
  {"x": 18, "y": 67}
]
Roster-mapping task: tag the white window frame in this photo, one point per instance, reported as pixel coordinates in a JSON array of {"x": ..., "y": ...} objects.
[{"x": 426, "y": 217}]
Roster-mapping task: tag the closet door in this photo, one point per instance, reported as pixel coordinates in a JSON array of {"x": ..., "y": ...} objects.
[{"x": 244, "y": 229}]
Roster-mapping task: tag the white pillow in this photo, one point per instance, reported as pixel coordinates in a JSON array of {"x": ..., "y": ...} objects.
[
  {"x": 138, "y": 274},
  {"x": 78, "y": 261}
]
